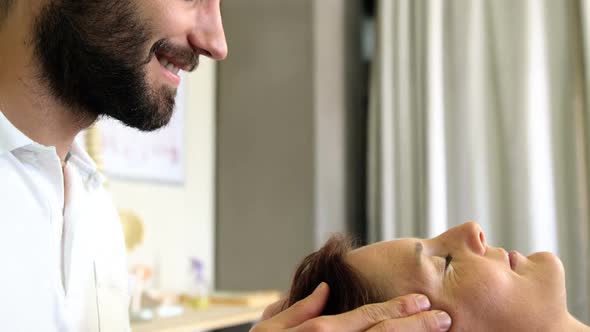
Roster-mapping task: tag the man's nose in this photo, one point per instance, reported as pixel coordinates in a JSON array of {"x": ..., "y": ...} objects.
[{"x": 208, "y": 38}]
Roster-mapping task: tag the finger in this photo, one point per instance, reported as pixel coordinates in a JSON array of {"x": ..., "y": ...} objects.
[
  {"x": 273, "y": 309},
  {"x": 365, "y": 317},
  {"x": 303, "y": 310},
  {"x": 429, "y": 321}
]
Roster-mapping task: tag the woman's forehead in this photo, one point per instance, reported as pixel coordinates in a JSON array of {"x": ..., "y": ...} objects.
[
  {"x": 393, "y": 266},
  {"x": 392, "y": 252},
  {"x": 397, "y": 244}
]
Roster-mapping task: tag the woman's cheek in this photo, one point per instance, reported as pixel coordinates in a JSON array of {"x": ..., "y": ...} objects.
[
  {"x": 484, "y": 287},
  {"x": 479, "y": 295}
]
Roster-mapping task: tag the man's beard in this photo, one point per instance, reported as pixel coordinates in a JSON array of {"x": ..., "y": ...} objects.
[{"x": 93, "y": 56}]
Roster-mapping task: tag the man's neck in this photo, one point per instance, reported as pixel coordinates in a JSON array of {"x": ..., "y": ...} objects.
[
  {"x": 26, "y": 101},
  {"x": 40, "y": 118}
]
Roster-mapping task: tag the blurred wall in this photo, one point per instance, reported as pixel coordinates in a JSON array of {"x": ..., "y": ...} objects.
[
  {"x": 286, "y": 95},
  {"x": 179, "y": 218}
]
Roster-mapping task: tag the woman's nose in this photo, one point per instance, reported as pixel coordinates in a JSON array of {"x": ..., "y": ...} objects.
[{"x": 471, "y": 234}]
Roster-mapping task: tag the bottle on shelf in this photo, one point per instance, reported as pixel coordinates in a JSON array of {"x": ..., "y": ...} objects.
[{"x": 198, "y": 292}]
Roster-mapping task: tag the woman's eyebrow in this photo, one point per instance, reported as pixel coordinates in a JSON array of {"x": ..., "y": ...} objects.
[{"x": 418, "y": 252}]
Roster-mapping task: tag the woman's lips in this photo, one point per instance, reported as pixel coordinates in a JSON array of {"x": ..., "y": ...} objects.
[{"x": 513, "y": 258}]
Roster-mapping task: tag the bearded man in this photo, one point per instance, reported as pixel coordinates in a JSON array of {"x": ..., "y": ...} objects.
[{"x": 63, "y": 65}]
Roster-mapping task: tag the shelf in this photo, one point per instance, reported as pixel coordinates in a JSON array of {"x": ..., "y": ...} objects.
[{"x": 212, "y": 318}]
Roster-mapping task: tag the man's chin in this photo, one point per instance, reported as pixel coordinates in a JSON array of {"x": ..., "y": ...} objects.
[
  {"x": 158, "y": 122},
  {"x": 157, "y": 117},
  {"x": 145, "y": 111},
  {"x": 149, "y": 121}
]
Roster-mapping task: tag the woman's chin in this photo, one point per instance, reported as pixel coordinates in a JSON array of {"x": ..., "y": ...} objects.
[
  {"x": 548, "y": 260},
  {"x": 548, "y": 275}
]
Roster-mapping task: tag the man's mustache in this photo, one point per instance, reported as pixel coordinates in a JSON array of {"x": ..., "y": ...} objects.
[{"x": 184, "y": 58}]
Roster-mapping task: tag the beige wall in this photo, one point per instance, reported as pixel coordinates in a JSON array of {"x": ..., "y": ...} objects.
[
  {"x": 288, "y": 96},
  {"x": 179, "y": 218},
  {"x": 265, "y": 186}
]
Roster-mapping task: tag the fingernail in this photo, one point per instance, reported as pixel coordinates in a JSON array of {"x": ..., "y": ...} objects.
[
  {"x": 444, "y": 320},
  {"x": 423, "y": 302},
  {"x": 320, "y": 286}
]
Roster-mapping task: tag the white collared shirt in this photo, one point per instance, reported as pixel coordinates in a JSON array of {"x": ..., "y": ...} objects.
[{"x": 62, "y": 269}]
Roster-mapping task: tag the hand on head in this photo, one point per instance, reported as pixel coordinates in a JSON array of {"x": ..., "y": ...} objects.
[
  {"x": 483, "y": 288},
  {"x": 406, "y": 313}
]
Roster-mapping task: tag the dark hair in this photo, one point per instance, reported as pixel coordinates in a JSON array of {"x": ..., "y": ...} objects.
[{"x": 348, "y": 288}]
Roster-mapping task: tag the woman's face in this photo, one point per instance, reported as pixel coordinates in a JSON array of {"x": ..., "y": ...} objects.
[{"x": 483, "y": 288}]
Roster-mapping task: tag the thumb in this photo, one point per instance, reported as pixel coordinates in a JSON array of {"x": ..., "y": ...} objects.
[
  {"x": 304, "y": 310},
  {"x": 273, "y": 309}
]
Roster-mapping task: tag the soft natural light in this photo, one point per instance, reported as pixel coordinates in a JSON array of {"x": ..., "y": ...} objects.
[
  {"x": 437, "y": 170},
  {"x": 542, "y": 224},
  {"x": 387, "y": 130}
]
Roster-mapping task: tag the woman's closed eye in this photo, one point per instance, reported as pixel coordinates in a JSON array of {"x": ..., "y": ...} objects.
[{"x": 448, "y": 260}]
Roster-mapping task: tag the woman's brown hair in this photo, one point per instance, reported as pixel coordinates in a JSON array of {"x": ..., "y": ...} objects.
[
  {"x": 4, "y": 8},
  {"x": 348, "y": 288}
]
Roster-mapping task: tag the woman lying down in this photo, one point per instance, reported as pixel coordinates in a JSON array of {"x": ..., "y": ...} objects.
[{"x": 483, "y": 288}]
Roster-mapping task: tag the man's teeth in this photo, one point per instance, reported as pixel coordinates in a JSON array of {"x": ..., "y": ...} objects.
[{"x": 168, "y": 65}]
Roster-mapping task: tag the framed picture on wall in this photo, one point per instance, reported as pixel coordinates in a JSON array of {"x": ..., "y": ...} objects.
[{"x": 146, "y": 156}]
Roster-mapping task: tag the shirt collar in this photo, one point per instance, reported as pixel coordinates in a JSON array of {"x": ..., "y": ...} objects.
[
  {"x": 10, "y": 137},
  {"x": 86, "y": 166}
]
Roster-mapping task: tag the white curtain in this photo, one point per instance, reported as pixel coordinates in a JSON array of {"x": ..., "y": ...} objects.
[{"x": 479, "y": 110}]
